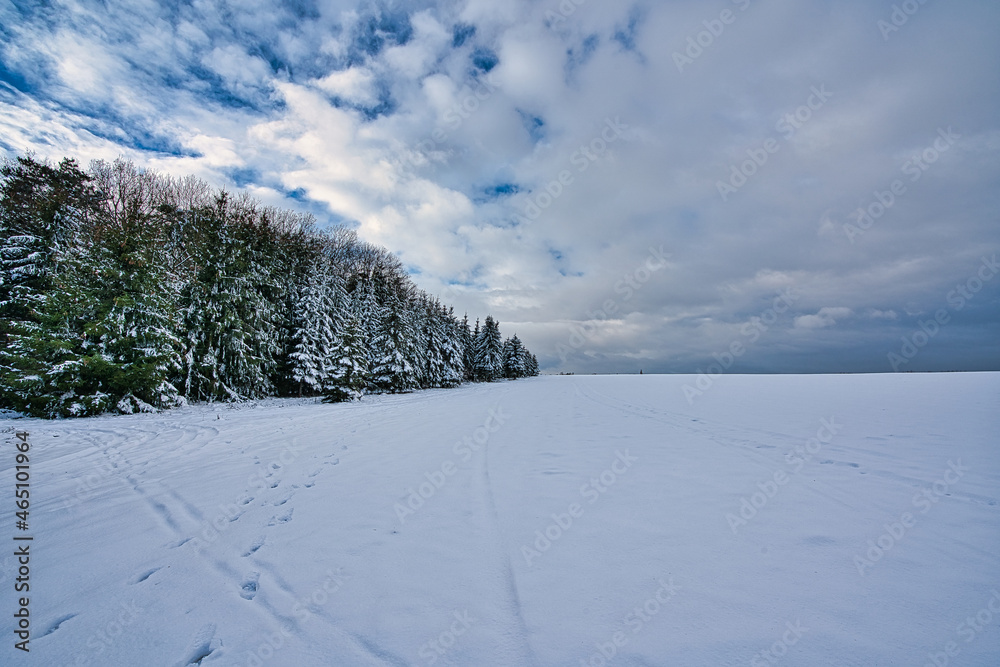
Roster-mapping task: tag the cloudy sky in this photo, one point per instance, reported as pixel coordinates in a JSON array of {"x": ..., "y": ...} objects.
[{"x": 767, "y": 185}]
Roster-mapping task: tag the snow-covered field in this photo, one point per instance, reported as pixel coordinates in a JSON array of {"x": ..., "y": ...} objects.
[{"x": 796, "y": 520}]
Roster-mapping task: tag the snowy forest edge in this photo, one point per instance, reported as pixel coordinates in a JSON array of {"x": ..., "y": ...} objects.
[{"x": 125, "y": 290}]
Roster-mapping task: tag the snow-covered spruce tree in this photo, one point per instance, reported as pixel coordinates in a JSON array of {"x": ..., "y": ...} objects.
[
  {"x": 513, "y": 358},
  {"x": 453, "y": 350},
  {"x": 395, "y": 349},
  {"x": 365, "y": 306},
  {"x": 432, "y": 343},
  {"x": 231, "y": 336},
  {"x": 488, "y": 363},
  {"x": 348, "y": 362},
  {"x": 443, "y": 354},
  {"x": 295, "y": 251},
  {"x": 423, "y": 365},
  {"x": 474, "y": 346},
  {"x": 530, "y": 364},
  {"x": 43, "y": 210},
  {"x": 71, "y": 376},
  {"x": 134, "y": 290},
  {"x": 467, "y": 348},
  {"x": 318, "y": 315}
]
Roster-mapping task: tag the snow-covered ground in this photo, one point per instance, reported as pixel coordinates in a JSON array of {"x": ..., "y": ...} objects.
[{"x": 796, "y": 520}]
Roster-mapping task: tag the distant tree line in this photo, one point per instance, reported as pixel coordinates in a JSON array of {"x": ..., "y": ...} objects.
[{"x": 126, "y": 290}]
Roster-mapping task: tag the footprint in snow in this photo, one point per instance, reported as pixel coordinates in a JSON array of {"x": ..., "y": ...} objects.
[
  {"x": 55, "y": 624},
  {"x": 279, "y": 503},
  {"x": 144, "y": 575},
  {"x": 248, "y": 589},
  {"x": 202, "y": 646},
  {"x": 284, "y": 518},
  {"x": 838, "y": 463},
  {"x": 257, "y": 544}
]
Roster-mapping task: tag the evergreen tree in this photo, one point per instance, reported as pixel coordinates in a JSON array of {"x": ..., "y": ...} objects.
[
  {"x": 452, "y": 350},
  {"x": 437, "y": 353},
  {"x": 348, "y": 363},
  {"x": 488, "y": 363},
  {"x": 531, "y": 365},
  {"x": 365, "y": 305},
  {"x": 395, "y": 351},
  {"x": 468, "y": 350},
  {"x": 231, "y": 337},
  {"x": 513, "y": 358},
  {"x": 319, "y": 314},
  {"x": 133, "y": 324},
  {"x": 43, "y": 213}
]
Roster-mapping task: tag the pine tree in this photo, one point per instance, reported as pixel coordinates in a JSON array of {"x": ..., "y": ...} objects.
[
  {"x": 436, "y": 345},
  {"x": 319, "y": 314},
  {"x": 348, "y": 363},
  {"x": 231, "y": 333},
  {"x": 395, "y": 351},
  {"x": 513, "y": 358},
  {"x": 488, "y": 363},
  {"x": 365, "y": 305},
  {"x": 467, "y": 348},
  {"x": 452, "y": 350},
  {"x": 531, "y": 365},
  {"x": 43, "y": 305},
  {"x": 135, "y": 326}
]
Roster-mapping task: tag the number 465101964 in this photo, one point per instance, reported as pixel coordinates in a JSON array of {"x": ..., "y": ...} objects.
[{"x": 23, "y": 477}]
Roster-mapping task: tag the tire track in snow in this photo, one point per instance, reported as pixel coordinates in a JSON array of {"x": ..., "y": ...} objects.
[{"x": 518, "y": 649}]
